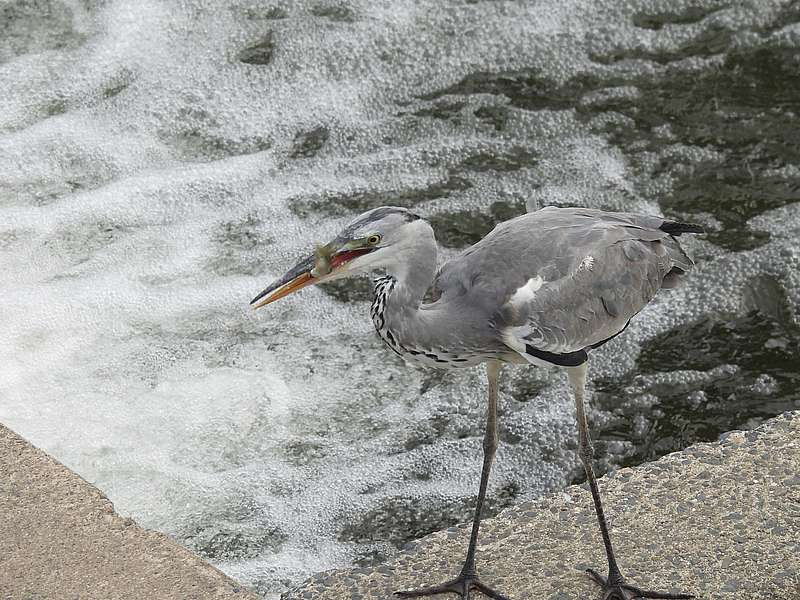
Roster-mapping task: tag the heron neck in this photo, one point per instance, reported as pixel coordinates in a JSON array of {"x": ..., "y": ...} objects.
[
  {"x": 395, "y": 309},
  {"x": 414, "y": 270}
]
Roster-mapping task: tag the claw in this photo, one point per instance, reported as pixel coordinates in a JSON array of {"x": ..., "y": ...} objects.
[{"x": 617, "y": 589}]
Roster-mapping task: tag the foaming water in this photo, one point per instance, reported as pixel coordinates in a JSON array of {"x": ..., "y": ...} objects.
[{"x": 160, "y": 163}]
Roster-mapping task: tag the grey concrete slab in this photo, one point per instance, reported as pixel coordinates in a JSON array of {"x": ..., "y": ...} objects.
[
  {"x": 60, "y": 538},
  {"x": 720, "y": 520}
]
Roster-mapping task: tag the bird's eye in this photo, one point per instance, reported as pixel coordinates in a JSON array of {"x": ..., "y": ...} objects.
[{"x": 373, "y": 239}]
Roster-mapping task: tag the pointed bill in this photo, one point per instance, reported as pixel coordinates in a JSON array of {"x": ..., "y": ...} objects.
[
  {"x": 296, "y": 279},
  {"x": 316, "y": 268}
]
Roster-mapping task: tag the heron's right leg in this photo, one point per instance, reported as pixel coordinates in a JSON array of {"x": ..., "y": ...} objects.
[
  {"x": 614, "y": 586},
  {"x": 467, "y": 579}
]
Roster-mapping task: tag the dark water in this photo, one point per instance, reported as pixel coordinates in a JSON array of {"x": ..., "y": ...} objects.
[{"x": 760, "y": 379}]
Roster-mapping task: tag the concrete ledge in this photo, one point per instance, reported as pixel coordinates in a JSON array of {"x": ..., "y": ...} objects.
[
  {"x": 60, "y": 538},
  {"x": 721, "y": 521}
]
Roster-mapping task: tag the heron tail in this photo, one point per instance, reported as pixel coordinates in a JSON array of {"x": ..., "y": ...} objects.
[{"x": 676, "y": 228}]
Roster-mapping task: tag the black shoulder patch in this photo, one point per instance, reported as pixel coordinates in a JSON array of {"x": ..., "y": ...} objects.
[{"x": 570, "y": 359}]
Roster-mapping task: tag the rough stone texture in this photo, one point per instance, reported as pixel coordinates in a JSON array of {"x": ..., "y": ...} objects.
[
  {"x": 721, "y": 521},
  {"x": 60, "y": 538}
]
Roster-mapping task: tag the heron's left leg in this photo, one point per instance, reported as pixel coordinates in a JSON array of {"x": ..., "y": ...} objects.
[
  {"x": 467, "y": 579},
  {"x": 614, "y": 586}
]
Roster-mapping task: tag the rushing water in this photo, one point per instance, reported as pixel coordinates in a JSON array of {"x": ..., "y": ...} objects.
[{"x": 160, "y": 162}]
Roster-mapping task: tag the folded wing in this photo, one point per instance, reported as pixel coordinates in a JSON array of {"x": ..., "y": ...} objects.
[{"x": 563, "y": 280}]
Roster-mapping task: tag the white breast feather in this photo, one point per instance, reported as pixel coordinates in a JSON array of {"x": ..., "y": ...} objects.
[
  {"x": 525, "y": 293},
  {"x": 518, "y": 301}
]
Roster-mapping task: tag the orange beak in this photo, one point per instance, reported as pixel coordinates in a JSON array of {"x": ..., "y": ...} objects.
[
  {"x": 300, "y": 276},
  {"x": 295, "y": 284}
]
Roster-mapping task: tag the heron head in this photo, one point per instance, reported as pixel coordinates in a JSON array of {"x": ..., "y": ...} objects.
[{"x": 369, "y": 242}]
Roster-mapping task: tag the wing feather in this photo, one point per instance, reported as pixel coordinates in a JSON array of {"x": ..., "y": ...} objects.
[
  {"x": 588, "y": 305},
  {"x": 564, "y": 279}
]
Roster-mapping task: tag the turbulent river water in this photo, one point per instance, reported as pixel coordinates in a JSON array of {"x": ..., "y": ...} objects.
[{"x": 160, "y": 162}]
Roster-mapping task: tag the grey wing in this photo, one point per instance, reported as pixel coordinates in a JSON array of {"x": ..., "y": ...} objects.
[
  {"x": 562, "y": 280},
  {"x": 612, "y": 278}
]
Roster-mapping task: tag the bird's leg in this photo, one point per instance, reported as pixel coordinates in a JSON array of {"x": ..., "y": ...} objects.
[
  {"x": 614, "y": 586},
  {"x": 490, "y": 438},
  {"x": 467, "y": 579}
]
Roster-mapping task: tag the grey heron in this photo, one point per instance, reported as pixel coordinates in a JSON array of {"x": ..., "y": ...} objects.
[{"x": 545, "y": 288}]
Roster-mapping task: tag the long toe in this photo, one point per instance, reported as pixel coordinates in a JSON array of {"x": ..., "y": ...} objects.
[
  {"x": 631, "y": 592},
  {"x": 456, "y": 586},
  {"x": 619, "y": 590},
  {"x": 487, "y": 591},
  {"x": 463, "y": 586}
]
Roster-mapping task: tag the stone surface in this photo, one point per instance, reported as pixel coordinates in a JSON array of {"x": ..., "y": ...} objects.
[
  {"x": 719, "y": 520},
  {"x": 60, "y": 538}
]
